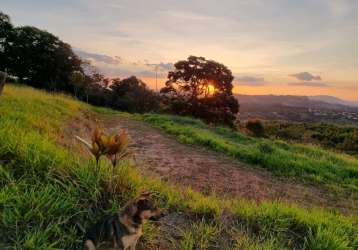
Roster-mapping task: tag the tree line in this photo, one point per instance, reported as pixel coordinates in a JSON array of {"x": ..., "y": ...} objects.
[{"x": 195, "y": 87}]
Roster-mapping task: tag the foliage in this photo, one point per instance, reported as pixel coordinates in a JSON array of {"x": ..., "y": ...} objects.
[
  {"x": 330, "y": 136},
  {"x": 256, "y": 127},
  {"x": 113, "y": 146},
  {"x": 132, "y": 95},
  {"x": 302, "y": 162},
  {"x": 38, "y": 58},
  {"x": 201, "y": 88},
  {"x": 6, "y": 29},
  {"x": 48, "y": 193}
]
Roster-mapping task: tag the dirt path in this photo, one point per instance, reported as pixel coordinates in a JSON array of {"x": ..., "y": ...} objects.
[{"x": 206, "y": 171}]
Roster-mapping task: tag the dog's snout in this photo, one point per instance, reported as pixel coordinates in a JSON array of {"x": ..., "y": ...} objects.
[{"x": 157, "y": 215}]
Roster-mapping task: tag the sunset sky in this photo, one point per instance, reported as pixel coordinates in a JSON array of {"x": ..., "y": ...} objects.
[{"x": 305, "y": 47}]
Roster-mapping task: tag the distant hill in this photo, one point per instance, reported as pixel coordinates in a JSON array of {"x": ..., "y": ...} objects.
[
  {"x": 333, "y": 100},
  {"x": 298, "y": 108}
]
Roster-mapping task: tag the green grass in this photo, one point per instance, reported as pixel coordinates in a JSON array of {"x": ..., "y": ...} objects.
[
  {"x": 48, "y": 193},
  {"x": 302, "y": 162}
]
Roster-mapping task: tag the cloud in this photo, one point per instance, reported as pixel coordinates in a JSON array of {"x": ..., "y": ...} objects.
[
  {"x": 250, "y": 80},
  {"x": 116, "y": 66},
  {"x": 309, "y": 84},
  {"x": 102, "y": 58},
  {"x": 98, "y": 57},
  {"x": 306, "y": 76},
  {"x": 161, "y": 66}
]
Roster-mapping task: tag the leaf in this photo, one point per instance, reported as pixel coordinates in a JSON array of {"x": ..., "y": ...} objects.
[{"x": 84, "y": 142}]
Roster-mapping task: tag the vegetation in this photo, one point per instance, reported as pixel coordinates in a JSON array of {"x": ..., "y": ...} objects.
[
  {"x": 331, "y": 136},
  {"x": 202, "y": 88},
  {"x": 2, "y": 81},
  {"x": 302, "y": 162},
  {"x": 255, "y": 127},
  {"x": 133, "y": 95},
  {"x": 37, "y": 57},
  {"x": 49, "y": 193}
]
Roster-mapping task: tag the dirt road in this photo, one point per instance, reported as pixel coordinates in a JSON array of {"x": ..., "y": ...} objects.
[{"x": 162, "y": 156}]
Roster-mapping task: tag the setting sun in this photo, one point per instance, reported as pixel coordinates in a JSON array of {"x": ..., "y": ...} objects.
[{"x": 210, "y": 89}]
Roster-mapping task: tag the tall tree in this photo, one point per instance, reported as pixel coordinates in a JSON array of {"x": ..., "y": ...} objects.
[
  {"x": 202, "y": 88},
  {"x": 39, "y": 58}
]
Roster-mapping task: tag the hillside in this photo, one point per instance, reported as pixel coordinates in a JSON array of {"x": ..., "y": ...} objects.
[
  {"x": 333, "y": 100},
  {"x": 298, "y": 108},
  {"x": 49, "y": 192}
]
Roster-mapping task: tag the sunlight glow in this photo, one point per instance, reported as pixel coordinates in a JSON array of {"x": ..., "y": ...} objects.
[{"x": 211, "y": 89}]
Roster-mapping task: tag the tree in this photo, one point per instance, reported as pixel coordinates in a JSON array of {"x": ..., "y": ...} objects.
[
  {"x": 202, "y": 88},
  {"x": 132, "y": 94},
  {"x": 6, "y": 29},
  {"x": 39, "y": 58}
]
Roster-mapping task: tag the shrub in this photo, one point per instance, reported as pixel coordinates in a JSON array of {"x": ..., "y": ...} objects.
[
  {"x": 265, "y": 148},
  {"x": 256, "y": 127}
]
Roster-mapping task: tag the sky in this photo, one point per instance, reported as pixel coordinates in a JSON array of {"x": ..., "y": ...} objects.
[{"x": 305, "y": 47}]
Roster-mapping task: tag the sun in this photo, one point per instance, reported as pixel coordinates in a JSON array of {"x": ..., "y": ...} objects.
[{"x": 211, "y": 89}]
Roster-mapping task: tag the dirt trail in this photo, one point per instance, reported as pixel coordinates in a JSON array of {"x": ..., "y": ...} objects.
[{"x": 162, "y": 156}]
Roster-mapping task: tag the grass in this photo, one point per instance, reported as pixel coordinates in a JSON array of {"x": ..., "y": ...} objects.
[
  {"x": 49, "y": 193},
  {"x": 302, "y": 162}
]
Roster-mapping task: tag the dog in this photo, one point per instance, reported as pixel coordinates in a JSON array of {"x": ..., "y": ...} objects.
[{"x": 123, "y": 229}]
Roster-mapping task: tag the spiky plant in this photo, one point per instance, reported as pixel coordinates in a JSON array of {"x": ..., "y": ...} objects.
[{"x": 113, "y": 146}]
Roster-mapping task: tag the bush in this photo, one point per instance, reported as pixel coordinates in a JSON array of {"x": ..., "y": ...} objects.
[
  {"x": 256, "y": 127},
  {"x": 265, "y": 148}
]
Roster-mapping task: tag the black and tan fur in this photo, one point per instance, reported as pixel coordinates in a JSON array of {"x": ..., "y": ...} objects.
[{"x": 123, "y": 229}]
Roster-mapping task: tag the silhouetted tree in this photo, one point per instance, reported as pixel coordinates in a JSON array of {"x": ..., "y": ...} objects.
[
  {"x": 132, "y": 94},
  {"x": 201, "y": 88},
  {"x": 96, "y": 89},
  {"x": 36, "y": 57}
]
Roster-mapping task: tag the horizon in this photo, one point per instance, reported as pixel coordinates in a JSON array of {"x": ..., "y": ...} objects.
[{"x": 304, "y": 48}]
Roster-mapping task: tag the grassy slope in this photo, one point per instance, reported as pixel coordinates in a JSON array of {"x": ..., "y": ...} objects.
[
  {"x": 298, "y": 161},
  {"x": 45, "y": 190}
]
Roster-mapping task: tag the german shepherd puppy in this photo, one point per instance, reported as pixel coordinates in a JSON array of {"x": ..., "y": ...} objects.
[{"x": 123, "y": 229}]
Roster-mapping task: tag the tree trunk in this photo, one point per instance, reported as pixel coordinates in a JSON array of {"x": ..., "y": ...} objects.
[
  {"x": 2, "y": 81},
  {"x": 2, "y": 84}
]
